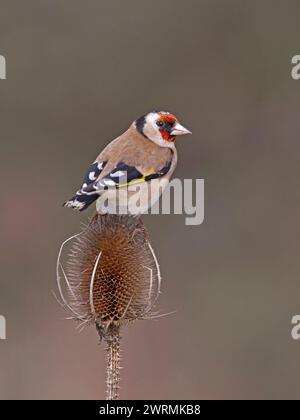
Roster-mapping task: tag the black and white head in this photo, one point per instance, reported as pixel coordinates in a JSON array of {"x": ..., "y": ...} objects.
[{"x": 160, "y": 127}]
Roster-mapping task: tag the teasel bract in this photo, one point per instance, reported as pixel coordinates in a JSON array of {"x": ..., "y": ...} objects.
[{"x": 111, "y": 277}]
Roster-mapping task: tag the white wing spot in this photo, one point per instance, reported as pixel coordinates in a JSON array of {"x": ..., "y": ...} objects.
[
  {"x": 100, "y": 165},
  {"x": 92, "y": 176},
  {"x": 117, "y": 174},
  {"x": 109, "y": 182}
]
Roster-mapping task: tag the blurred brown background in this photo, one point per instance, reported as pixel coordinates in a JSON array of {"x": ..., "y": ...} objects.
[{"x": 78, "y": 72}]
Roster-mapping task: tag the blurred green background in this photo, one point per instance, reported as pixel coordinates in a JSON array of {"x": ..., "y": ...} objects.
[{"x": 78, "y": 73}]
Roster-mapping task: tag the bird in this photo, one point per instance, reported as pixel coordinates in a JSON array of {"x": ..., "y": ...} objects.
[{"x": 144, "y": 155}]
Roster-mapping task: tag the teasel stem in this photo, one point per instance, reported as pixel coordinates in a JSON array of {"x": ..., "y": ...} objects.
[{"x": 112, "y": 337}]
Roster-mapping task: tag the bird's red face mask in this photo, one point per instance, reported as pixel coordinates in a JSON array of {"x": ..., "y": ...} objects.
[{"x": 169, "y": 127}]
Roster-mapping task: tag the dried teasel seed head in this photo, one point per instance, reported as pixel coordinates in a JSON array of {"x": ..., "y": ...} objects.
[{"x": 112, "y": 274}]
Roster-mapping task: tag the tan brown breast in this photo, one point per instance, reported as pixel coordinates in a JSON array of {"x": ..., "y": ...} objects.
[{"x": 134, "y": 149}]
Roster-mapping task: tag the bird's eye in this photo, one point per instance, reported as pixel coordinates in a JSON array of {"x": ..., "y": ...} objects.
[{"x": 160, "y": 123}]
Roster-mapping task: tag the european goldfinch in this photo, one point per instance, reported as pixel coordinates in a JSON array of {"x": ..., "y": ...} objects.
[{"x": 145, "y": 154}]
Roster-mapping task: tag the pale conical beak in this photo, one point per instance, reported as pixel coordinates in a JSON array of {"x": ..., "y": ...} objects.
[{"x": 179, "y": 130}]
